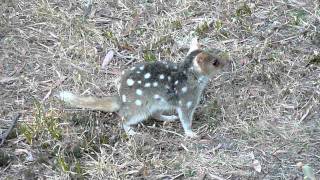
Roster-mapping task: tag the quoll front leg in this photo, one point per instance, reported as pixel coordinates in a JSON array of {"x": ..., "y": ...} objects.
[
  {"x": 161, "y": 117},
  {"x": 186, "y": 115}
]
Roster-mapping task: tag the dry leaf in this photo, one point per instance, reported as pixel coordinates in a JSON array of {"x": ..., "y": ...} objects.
[
  {"x": 107, "y": 59},
  {"x": 126, "y": 47},
  {"x": 256, "y": 165}
]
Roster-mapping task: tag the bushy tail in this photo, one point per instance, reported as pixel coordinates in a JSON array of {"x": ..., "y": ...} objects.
[{"x": 108, "y": 104}]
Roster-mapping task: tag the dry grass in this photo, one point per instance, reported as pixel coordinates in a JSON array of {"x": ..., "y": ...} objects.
[{"x": 265, "y": 111}]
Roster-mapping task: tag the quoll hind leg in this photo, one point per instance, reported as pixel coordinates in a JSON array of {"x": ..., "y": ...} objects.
[
  {"x": 132, "y": 120},
  {"x": 186, "y": 116},
  {"x": 161, "y": 117}
]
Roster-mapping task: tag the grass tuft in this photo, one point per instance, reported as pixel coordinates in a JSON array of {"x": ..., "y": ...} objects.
[
  {"x": 202, "y": 29},
  {"x": 243, "y": 10}
]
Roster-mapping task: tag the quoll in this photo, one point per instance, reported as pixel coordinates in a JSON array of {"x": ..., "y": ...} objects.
[{"x": 150, "y": 89}]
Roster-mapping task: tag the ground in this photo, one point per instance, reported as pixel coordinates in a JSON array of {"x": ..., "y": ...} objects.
[{"x": 260, "y": 120}]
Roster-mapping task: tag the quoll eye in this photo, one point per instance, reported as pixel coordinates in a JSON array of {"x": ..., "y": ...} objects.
[{"x": 215, "y": 62}]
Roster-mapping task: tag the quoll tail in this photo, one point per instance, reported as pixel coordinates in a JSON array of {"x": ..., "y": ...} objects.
[{"x": 108, "y": 104}]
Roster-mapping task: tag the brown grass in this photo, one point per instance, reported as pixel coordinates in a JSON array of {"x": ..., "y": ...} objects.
[{"x": 264, "y": 112}]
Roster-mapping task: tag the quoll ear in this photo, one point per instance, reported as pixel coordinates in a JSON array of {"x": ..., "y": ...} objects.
[
  {"x": 194, "y": 45},
  {"x": 202, "y": 58}
]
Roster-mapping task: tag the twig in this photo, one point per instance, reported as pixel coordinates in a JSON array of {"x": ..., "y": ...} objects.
[
  {"x": 216, "y": 177},
  {"x": 4, "y": 136},
  {"x": 132, "y": 58},
  {"x": 7, "y": 167},
  {"x": 184, "y": 147},
  {"x": 306, "y": 113},
  {"x": 178, "y": 176},
  {"x": 165, "y": 131}
]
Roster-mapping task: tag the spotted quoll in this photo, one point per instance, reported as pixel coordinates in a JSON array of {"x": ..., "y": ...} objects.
[{"x": 150, "y": 89}]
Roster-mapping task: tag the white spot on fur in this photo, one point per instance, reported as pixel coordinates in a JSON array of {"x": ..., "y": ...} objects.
[
  {"x": 184, "y": 89},
  {"x": 147, "y": 76},
  {"x": 147, "y": 85},
  {"x": 139, "y": 92},
  {"x": 161, "y": 76},
  {"x": 155, "y": 84},
  {"x": 138, "y": 102},
  {"x": 189, "y": 103},
  {"x": 124, "y": 98},
  {"x": 156, "y": 96},
  {"x": 175, "y": 83},
  {"x": 130, "y": 82}
]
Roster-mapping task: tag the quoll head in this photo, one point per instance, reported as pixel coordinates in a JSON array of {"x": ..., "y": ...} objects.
[{"x": 209, "y": 61}]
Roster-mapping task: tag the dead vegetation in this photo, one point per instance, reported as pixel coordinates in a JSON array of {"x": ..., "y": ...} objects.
[{"x": 259, "y": 121}]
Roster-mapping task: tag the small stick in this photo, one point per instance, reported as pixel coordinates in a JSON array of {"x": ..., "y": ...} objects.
[
  {"x": 178, "y": 176},
  {"x": 166, "y": 131},
  {"x": 4, "y": 136},
  {"x": 216, "y": 177}
]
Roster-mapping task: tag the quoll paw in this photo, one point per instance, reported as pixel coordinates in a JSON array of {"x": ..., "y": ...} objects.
[
  {"x": 131, "y": 132},
  {"x": 191, "y": 134}
]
